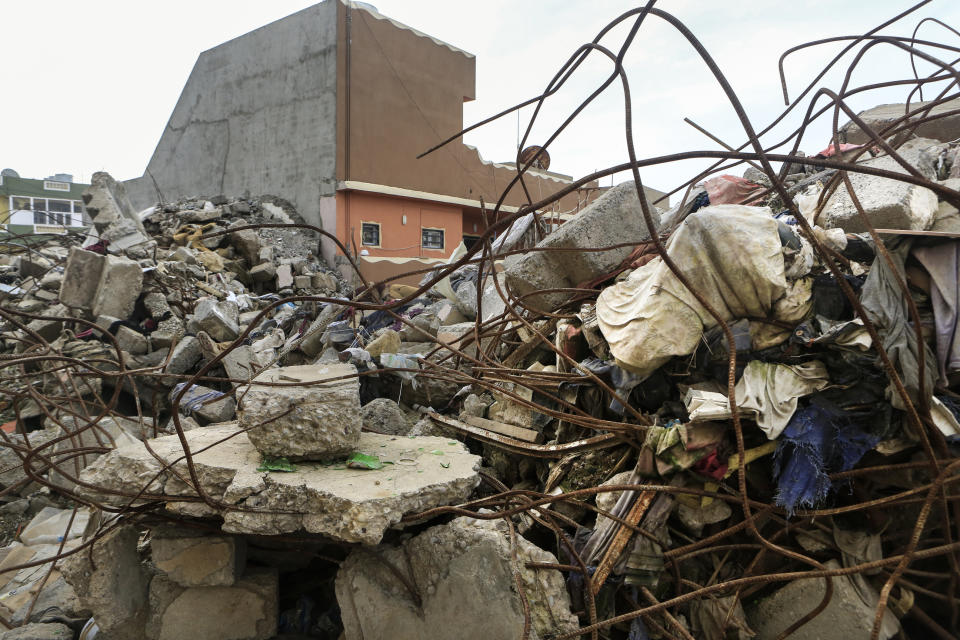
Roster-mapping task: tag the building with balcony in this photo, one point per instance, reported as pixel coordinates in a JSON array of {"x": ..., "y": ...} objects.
[{"x": 32, "y": 206}]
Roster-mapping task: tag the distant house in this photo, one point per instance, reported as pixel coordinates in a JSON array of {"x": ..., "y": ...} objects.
[{"x": 30, "y": 206}]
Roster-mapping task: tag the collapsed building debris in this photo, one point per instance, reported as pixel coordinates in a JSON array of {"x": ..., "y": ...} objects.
[{"x": 736, "y": 417}]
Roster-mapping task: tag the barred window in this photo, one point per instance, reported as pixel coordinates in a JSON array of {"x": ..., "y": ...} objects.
[
  {"x": 370, "y": 234},
  {"x": 431, "y": 238}
]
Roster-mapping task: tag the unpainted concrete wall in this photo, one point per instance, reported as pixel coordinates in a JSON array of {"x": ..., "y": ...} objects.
[{"x": 257, "y": 115}]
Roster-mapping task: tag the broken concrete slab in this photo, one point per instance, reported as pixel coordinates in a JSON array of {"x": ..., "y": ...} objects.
[
  {"x": 342, "y": 503},
  {"x": 247, "y": 610},
  {"x": 108, "y": 432},
  {"x": 442, "y": 563},
  {"x": 944, "y": 128},
  {"x": 240, "y": 363},
  {"x": 191, "y": 560},
  {"x": 614, "y": 218},
  {"x": 317, "y": 417},
  {"x": 120, "y": 284}
]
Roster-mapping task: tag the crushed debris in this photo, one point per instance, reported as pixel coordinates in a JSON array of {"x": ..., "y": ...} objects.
[{"x": 736, "y": 417}]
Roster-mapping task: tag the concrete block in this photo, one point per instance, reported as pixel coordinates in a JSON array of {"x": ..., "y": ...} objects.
[
  {"x": 199, "y": 561},
  {"x": 424, "y": 328},
  {"x": 383, "y": 415},
  {"x": 248, "y": 610},
  {"x": 183, "y": 254},
  {"x": 263, "y": 272},
  {"x": 49, "y": 330},
  {"x": 51, "y": 281},
  {"x": 324, "y": 281},
  {"x": 219, "y": 318},
  {"x": 284, "y": 276},
  {"x": 302, "y": 282},
  {"x": 114, "y": 585},
  {"x": 305, "y": 421},
  {"x": 120, "y": 284},
  {"x": 443, "y": 562},
  {"x": 614, "y": 218},
  {"x": 240, "y": 362},
  {"x": 847, "y": 615},
  {"x": 33, "y": 265},
  {"x": 449, "y": 314},
  {"x": 185, "y": 355},
  {"x": 81, "y": 278},
  {"x": 247, "y": 244},
  {"x": 131, "y": 341},
  {"x": 888, "y": 203}
]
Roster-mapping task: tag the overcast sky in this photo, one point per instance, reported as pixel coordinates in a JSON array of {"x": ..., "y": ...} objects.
[{"x": 90, "y": 85}]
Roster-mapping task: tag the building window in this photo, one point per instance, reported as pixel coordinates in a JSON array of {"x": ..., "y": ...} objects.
[
  {"x": 370, "y": 234},
  {"x": 51, "y": 185},
  {"x": 21, "y": 203},
  {"x": 469, "y": 241},
  {"x": 431, "y": 238},
  {"x": 39, "y": 217}
]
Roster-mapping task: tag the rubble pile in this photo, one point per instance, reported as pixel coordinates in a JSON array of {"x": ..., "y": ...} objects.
[{"x": 736, "y": 417}]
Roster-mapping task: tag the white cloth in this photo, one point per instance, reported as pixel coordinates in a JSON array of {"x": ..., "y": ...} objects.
[{"x": 770, "y": 391}]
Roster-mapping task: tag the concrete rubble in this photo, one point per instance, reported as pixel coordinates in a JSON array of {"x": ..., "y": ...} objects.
[
  {"x": 450, "y": 593},
  {"x": 210, "y": 432}
]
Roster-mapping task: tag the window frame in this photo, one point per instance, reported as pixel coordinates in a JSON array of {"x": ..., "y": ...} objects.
[
  {"x": 443, "y": 239},
  {"x": 60, "y": 186},
  {"x": 379, "y": 234}
]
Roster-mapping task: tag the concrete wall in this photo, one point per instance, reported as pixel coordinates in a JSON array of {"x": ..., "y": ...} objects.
[{"x": 257, "y": 115}]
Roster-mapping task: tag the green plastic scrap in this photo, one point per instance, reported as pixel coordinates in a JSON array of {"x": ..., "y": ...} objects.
[
  {"x": 363, "y": 461},
  {"x": 276, "y": 464}
]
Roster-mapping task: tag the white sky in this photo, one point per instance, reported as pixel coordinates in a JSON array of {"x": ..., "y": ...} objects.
[{"x": 90, "y": 85}]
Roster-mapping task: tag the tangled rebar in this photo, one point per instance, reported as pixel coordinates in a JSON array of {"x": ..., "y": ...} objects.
[{"x": 47, "y": 379}]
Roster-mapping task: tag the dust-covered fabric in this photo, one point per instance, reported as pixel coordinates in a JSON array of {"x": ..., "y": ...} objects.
[
  {"x": 769, "y": 391},
  {"x": 732, "y": 255}
]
